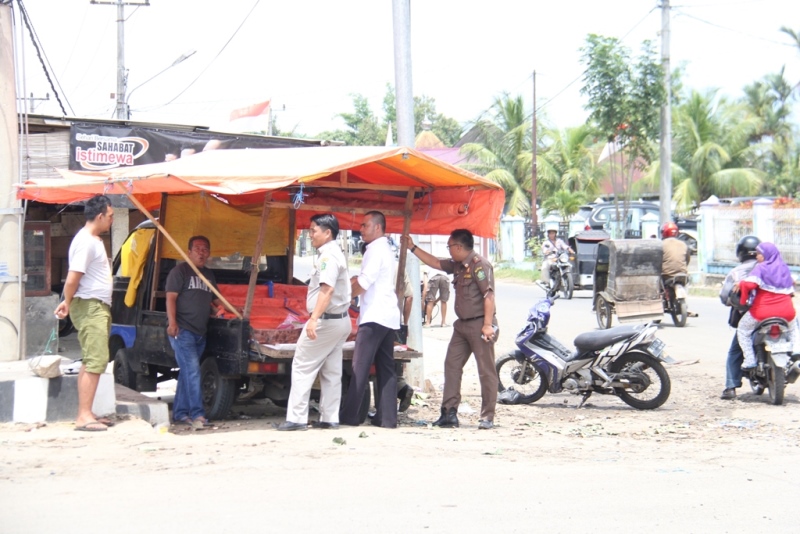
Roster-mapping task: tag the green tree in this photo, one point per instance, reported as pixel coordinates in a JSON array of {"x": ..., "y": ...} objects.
[
  {"x": 502, "y": 152},
  {"x": 712, "y": 152},
  {"x": 448, "y": 130},
  {"x": 363, "y": 128},
  {"x": 566, "y": 203},
  {"x": 625, "y": 98},
  {"x": 773, "y": 139},
  {"x": 568, "y": 162}
]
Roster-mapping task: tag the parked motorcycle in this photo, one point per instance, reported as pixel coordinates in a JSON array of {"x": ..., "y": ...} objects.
[
  {"x": 775, "y": 364},
  {"x": 561, "y": 276},
  {"x": 673, "y": 295},
  {"x": 623, "y": 361}
]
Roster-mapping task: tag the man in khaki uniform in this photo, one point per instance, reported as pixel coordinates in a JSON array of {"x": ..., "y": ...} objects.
[
  {"x": 319, "y": 349},
  {"x": 475, "y": 331}
]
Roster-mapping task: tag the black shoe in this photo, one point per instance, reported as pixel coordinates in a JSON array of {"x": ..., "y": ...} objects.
[
  {"x": 485, "y": 424},
  {"x": 405, "y": 399},
  {"x": 324, "y": 425},
  {"x": 448, "y": 419},
  {"x": 288, "y": 425},
  {"x": 728, "y": 394}
]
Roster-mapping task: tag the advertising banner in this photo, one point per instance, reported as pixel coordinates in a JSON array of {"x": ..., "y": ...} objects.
[{"x": 95, "y": 146}]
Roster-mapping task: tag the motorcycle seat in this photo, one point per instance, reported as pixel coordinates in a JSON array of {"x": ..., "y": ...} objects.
[{"x": 603, "y": 338}]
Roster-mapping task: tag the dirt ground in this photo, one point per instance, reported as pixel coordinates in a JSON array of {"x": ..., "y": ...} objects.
[{"x": 698, "y": 464}]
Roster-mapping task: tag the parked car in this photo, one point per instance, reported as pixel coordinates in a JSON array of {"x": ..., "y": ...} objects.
[{"x": 605, "y": 213}]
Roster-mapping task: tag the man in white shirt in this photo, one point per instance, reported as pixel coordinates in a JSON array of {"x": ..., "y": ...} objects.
[
  {"x": 319, "y": 349},
  {"x": 377, "y": 321},
  {"x": 87, "y": 300}
]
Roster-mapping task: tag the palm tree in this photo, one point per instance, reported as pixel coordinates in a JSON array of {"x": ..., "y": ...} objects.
[
  {"x": 566, "y": 203},
  {"x": 502, "y": 152},
  {"x": 568, "y": 163},
  {"x": 712, "y": 154}
]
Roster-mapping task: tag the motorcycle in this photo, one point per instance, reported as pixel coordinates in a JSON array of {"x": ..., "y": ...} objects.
[
  {"x": 561, "y": 276},
  {"x": 623, "y": 361},
  {"x": 775, "y": 364},
  {"x": 673, "y": 294}
]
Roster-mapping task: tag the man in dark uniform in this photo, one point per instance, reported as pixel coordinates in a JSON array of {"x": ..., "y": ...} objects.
[{"x": 475, "y": 331}]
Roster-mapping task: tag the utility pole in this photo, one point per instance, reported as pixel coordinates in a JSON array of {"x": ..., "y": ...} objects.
[
  {"x": 534, "y": 175},
  {"x": 121, "y": 226},
  {"x": 404, "y": 103},
  {"x": 12, "y": 325},
  {"x": 665, "y": 183},
  {"x": 33, "y": 99},
  {"x": 122, "y": 110}
]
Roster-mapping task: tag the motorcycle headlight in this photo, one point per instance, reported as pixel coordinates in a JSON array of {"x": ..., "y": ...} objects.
[{"x": 542, "y": 307}]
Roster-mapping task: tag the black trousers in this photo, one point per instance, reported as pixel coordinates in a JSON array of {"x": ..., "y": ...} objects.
[{"x": 374, "y": 344}]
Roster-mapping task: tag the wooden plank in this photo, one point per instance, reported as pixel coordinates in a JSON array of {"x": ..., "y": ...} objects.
[
  {"x": 401, "y": 268},
  {"x": 159, "y": 247},
  {"x": 251, "y": 286},
  {"x": 292, "y": 245},
  {"x": 268, "y": 352},
  {"x": 336, "y": 209}
]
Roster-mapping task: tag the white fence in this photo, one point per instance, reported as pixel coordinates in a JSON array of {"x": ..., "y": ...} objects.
[{"x": 722, "y": 226}]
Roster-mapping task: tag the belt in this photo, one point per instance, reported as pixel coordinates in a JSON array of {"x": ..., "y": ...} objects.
[
  {"x": 473, "y": 318},
  {"x": 333, "y": 315}
]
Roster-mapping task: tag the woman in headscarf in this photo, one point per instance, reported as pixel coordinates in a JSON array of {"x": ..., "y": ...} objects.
[{"x": 774, "y": 288}]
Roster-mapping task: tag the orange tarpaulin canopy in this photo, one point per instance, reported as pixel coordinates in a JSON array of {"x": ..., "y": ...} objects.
[{"x": 338, "y": 178}]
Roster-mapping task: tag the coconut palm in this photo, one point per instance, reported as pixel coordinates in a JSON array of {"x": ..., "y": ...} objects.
[
  {"x": 502, "y": 152},
  {"x": 712, "y": 154},
  {"x": 566, "y": 203},
  {"x": 568, "y": 162}
]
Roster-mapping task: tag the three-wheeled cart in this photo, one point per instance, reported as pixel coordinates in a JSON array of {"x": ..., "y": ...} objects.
[
  {"x": 627, "y": 281},
  {"x": 585, "y": 246}
]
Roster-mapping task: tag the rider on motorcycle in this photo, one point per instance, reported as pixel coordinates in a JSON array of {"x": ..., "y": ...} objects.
[
  {"x": 773, "y": 285},
  {"x": 550, "y": 250},
  {"x": 675, "y": 252},
  {"x": 746, "y": 253}
]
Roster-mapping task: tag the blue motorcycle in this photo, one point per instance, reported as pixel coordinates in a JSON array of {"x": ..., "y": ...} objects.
[{"x": 625, "y": 361}]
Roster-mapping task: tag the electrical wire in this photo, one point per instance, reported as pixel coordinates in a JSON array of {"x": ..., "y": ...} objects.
[
  {"x": 42, "y": 57},
  {"x": 215, "y": 57},
  {"x": 698, "y": 19},
  {"x": 547, "y": 102}
]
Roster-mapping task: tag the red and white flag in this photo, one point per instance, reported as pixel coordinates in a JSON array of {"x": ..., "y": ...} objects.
[{"x": 253, "y": 118}]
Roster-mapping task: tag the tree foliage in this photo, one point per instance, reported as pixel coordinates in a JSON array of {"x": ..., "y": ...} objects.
[
  {"x": 363, "y": 127},
  {"x": 502, "y": 152},
  {"x": 567, "y": 162},
  {"x": 624, "y": 100}
]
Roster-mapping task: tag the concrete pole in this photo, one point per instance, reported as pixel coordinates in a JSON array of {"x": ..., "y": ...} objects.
[
  {"x": 11, "y": 323},
  {"x": 120, "y": 226},
  {"x": 401, "y": 12},
  {"x": 534, "y": 171},
  {"x": 404, "y": 96},
  {"x": 123, "y": 113},
  {"x": 665, "y": 183}
]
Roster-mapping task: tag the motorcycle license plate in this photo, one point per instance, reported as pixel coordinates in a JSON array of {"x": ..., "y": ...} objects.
[
  {"x": 656, "y": 348},
  {"x": 780, "y": 347}
]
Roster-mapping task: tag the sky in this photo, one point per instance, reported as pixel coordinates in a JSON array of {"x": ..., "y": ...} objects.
[{"x": 309, "y": 57}]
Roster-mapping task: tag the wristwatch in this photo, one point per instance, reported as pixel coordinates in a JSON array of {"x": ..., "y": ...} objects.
[{"x": 412, "y": 249}]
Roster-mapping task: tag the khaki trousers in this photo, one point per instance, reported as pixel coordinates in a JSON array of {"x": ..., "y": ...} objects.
[{"x": 321, "y": 356}]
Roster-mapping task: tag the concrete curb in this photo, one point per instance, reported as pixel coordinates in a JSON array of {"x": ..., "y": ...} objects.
[{"x": 134, "y": 404}]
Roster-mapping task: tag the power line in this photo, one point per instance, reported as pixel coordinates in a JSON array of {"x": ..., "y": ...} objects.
[
  {"x": 698, "y": 19},
  {"x": 215, "y": 57},
  {"x": 42, "y": 60}
]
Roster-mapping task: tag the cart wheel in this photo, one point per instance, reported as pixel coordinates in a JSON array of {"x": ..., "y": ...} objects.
[{"x": 603, "y": 309}]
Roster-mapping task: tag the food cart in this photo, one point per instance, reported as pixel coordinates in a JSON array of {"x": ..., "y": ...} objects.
[{"x": 250, "y": 203}]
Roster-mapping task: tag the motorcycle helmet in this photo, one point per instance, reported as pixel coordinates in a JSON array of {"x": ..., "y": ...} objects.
[
  {"x": 669, "y": 229},
  {"x": 746, "y": 247}
]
